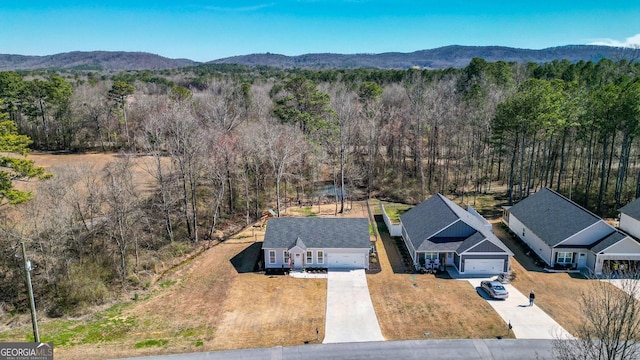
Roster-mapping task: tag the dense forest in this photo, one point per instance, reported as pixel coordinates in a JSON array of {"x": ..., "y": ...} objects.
[{"x": 228, "y": 142}]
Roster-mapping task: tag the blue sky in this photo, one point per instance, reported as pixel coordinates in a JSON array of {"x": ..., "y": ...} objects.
[{"x": 207, "y": 30}]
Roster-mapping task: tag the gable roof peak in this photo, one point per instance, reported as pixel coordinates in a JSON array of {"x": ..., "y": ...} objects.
[{"x": 299, "y": 243}]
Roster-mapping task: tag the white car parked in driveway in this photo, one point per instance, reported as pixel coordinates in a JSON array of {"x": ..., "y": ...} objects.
[{"x": 495, "y": 289}]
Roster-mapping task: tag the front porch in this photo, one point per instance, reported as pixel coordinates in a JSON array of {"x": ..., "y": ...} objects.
[{"x": 434, "y": 261}]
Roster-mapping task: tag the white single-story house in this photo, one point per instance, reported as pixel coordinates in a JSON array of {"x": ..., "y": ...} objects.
[
  {"x": 440, "y": 232},
  {"x": 331, "y": 243},
  {"x": 564, "y": 233}
]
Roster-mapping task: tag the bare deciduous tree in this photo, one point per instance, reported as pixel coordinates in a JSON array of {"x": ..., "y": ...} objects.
[
  {"x": 611, "y": 327},
  {"x": 281, "y": 145},
  {"x": 122, "y": 210}
]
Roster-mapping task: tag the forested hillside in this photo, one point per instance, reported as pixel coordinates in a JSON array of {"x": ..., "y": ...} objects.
[
  {"x": 92, "y": 60},
  {"x": 226, "y": 143}
]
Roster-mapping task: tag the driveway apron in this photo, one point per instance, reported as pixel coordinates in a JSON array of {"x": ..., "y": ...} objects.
[
  {"x": 527, "y": 322},
  {"x": 350, "y": 313}
]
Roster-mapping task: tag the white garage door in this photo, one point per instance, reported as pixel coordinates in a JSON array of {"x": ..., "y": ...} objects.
[
  {"x": 345, "y": 261},
  {"x": 483, "y": 266}
]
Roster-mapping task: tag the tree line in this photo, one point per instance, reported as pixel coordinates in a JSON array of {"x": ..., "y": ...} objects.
[{"x": 223, "y": 144}]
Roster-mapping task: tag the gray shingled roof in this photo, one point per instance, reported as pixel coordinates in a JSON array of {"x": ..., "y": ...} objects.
[
  {"x": 608, "y": 240},
  {"x": 470, "y": 242},
  {"x": 632, "y": 209},
  {"x": 552, "y": 217},
  {"x": 427, "y": 219},
  {"x": 284, "y": 233}
]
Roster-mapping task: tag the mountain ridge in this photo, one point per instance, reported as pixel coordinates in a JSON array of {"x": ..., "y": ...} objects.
[
  {"x": 452, "y": 56},
  {"x": 96, "y": 60},
  {"x": 456, "y": 56}
]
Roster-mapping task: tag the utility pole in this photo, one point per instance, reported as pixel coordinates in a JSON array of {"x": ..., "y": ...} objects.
[{"x": 32, "y": 303}]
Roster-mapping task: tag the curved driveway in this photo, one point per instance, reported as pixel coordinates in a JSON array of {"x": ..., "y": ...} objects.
[{"x": 350, "y": 313}]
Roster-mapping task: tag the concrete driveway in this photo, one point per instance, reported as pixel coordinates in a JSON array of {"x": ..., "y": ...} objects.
[
  {"x": 527, "y": 322},
  {"x": 350, "y": 313}
]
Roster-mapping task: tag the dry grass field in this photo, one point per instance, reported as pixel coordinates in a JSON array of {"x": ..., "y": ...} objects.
[{"x": 54, "y": 163}]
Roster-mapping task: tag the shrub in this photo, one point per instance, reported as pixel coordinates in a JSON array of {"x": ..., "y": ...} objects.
[
  {"x": 82, "y": 287},
  {"x": 151, "y": 343}
]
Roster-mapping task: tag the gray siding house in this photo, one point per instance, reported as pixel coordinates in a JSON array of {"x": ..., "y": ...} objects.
[
  {"x": 439, "y": 232},
  {"x": 332, "y": 243},
  {"x": 564, "y": 233}
]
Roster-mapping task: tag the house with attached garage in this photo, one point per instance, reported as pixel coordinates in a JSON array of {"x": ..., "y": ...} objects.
[
  {"x": 440, "y": 233},
  {"x": 331, "y": 243},
  {"x": 564, "y": 234}
]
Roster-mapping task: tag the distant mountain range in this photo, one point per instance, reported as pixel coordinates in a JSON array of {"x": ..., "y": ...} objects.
[
  {"x": 93, "y": 60},
  {"x": 440, "y": 58}
]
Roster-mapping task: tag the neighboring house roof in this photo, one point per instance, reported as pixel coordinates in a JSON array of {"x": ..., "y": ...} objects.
[
  {"x": 552, "y": 217},
  {"x": 632, "y": 209},
  {"x": 428, "y": 224},
  {"x": 285, "y": 233}
]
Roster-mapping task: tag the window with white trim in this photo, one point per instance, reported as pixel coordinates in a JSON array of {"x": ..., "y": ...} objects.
[
  {"x": 565, "y": 257},
  {"x": 320, "y": 256},
  {"x": 272, "y": 256},
  {"x": 309, "y": 257},
  {"x": 431, "y": 255},
  {"x": 286, "y": 257}
]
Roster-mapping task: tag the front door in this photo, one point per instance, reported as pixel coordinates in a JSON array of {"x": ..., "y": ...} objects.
[
  {"x": 449, "y": 261},
  {"x": 297, "y": 260},
  {"x": 581, "y": 261}
]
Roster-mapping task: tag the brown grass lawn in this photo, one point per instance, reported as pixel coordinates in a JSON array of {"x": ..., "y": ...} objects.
[{"x": 208, "y": 305}]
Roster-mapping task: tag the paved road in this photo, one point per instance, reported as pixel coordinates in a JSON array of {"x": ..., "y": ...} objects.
[
  {"x": 527, "y": 322},
  {"x": 350, "y": 314},
  {"x": 478, "y": 349}
]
